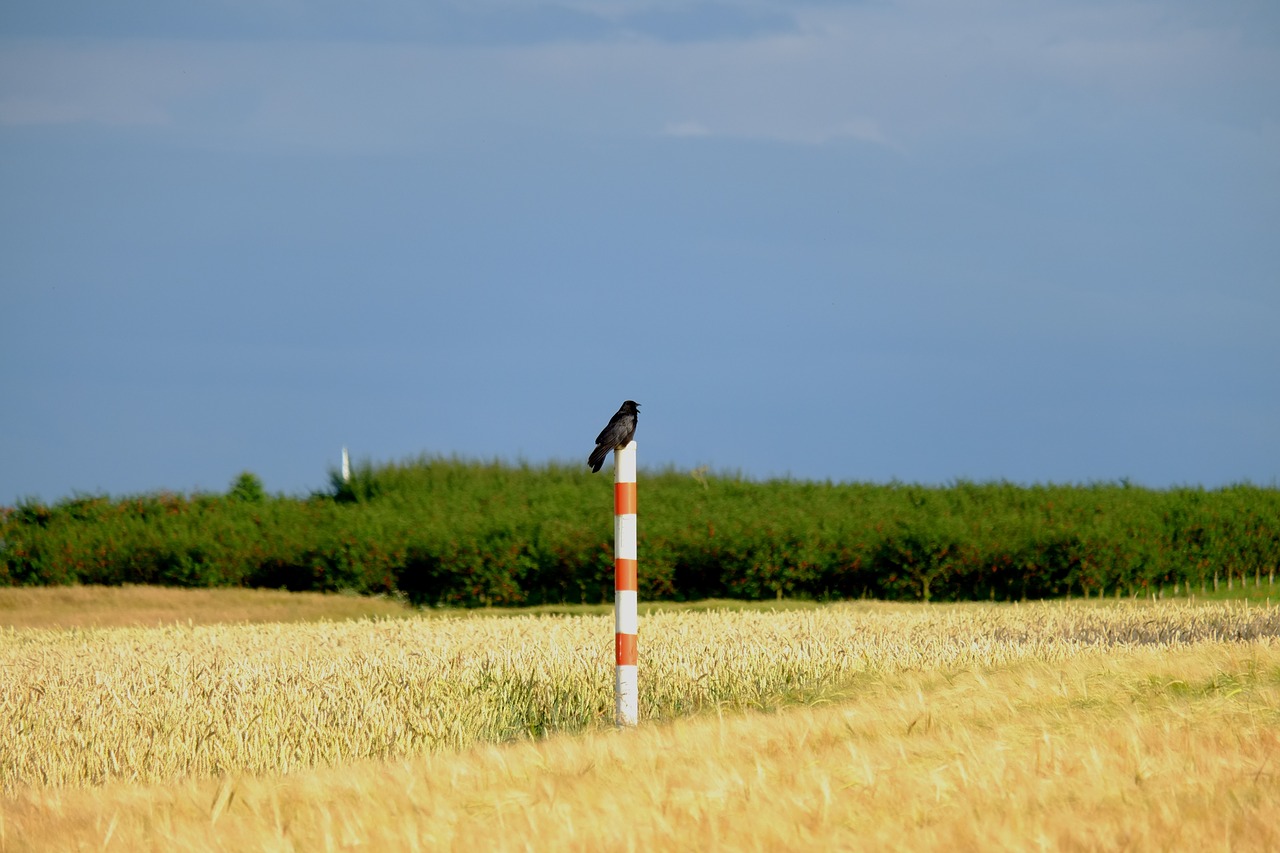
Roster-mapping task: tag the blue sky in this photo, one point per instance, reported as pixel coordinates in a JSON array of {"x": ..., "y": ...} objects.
[{"x": 930, "y": 240}]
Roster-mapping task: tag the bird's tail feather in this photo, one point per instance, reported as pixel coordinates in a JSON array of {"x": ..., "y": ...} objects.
[{"x": 596, "y": 459}]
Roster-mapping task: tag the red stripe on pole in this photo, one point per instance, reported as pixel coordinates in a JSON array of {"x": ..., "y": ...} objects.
[
  {"x": 624, "y": 574},
  {"x": 624, "y": 498},
  {"x": 626, "y": 649}
]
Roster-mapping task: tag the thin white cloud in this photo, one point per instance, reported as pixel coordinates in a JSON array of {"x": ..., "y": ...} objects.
[
  {"x": 113, "y": 82},
  {"x": 29, "y": 111},
  {"x": 863, "y": 130},
  {"x": 686, "y": 128},
  {"x": 886, "y": 74},
  {"x": 858, "y": 129}
]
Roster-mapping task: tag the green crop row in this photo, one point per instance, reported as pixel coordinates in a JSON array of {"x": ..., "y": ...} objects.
[{"x": 446, "y": 531}]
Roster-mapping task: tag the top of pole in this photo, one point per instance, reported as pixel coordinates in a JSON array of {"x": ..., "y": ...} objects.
[{"x": 624, "y": 468}]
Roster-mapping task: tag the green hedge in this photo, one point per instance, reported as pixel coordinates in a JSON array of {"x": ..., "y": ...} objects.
[{"x": 446, "y": 531}]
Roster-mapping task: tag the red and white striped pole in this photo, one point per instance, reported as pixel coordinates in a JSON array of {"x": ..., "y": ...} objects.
[{"x": 626, "y": 692}]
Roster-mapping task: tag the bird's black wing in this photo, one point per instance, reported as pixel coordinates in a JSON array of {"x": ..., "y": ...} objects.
[{"x": 617, "y": 428}]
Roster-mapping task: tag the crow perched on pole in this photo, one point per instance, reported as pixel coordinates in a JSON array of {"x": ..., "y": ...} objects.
[{"x": 619, "y": 432}]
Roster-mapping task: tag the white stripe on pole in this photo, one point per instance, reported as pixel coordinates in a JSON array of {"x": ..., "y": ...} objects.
[
  {"x": 624, "y": 536},
  {"x": 626, "y": 619},
  {"x": 625, "y": 464},
  {"x": 626, "y": 690}
]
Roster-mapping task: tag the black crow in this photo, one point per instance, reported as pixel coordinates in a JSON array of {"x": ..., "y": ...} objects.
[{"x": 619, "y": 432}]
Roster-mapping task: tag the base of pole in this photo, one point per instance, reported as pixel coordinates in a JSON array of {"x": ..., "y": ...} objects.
[{"x": 627, "y": 697}]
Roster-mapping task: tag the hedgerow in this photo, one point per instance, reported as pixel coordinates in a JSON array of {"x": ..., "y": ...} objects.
[{"x": 456, "y": 532}]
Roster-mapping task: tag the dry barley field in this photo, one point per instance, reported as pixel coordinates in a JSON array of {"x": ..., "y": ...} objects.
[{"x": 1068, "y": 725}]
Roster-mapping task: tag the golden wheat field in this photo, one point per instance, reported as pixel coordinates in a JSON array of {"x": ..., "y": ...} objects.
[{"x": 854, "y": 726}]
